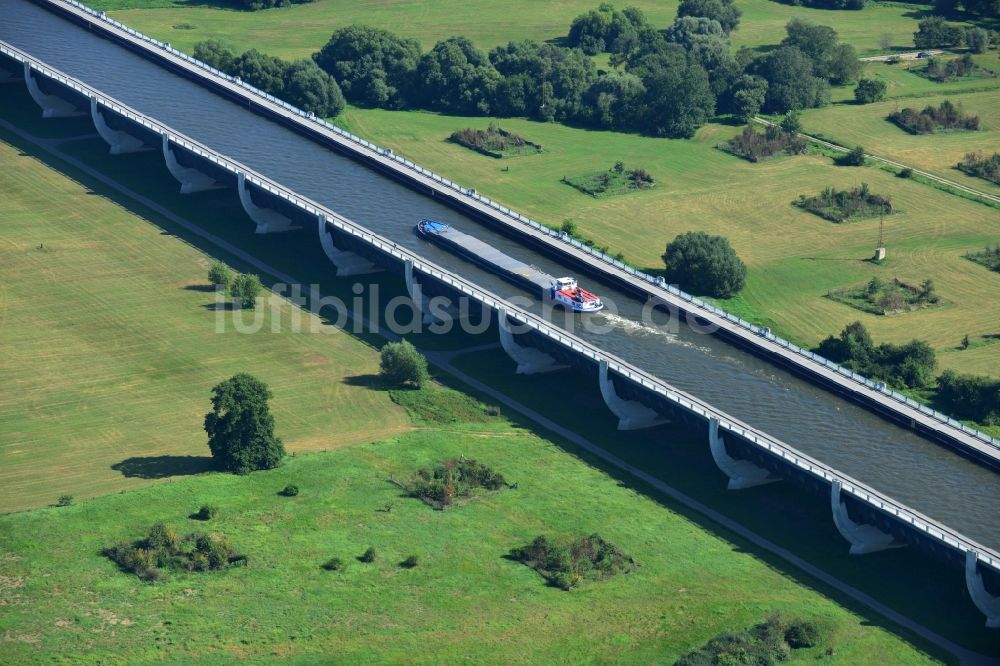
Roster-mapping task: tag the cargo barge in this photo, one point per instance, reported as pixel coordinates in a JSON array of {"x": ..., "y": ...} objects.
[{"x": 563, "y": 291}]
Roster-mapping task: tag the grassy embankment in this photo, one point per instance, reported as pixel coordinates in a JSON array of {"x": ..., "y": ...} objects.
[{"x": 44, "y": 565}]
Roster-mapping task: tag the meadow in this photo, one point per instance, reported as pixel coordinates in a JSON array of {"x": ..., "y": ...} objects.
[
  {"x": 110, "y": 350},
  {"x": 464, "y": 600},
  {"x": 299, "y": 31},
  {"x": 851, "y": 124}
]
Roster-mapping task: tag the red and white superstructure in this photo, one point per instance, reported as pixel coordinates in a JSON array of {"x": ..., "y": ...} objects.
[{"x": 566, "y": 291}]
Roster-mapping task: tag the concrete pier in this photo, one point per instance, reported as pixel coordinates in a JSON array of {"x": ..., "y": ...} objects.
[
  {"x": 988, "y": 604},
  {"x": 863, "y": 538},
  {"x": 346, "y": 263},
  {"x": 52, "y": 105},
  {"x": 268, "y": 220},
  {"x": 191, "y": 180},
  {"x": 120, "y": 142},
  {"x": 631, "y": 415},
  {"x": 530, "y": 361},
  {"x": 742, "y": 473}
]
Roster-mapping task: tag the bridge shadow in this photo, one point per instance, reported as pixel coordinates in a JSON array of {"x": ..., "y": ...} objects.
[{"x": 162, "y": 467}]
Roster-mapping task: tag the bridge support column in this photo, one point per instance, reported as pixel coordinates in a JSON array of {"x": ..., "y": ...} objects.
[
  {"x": 864, "y": 539},
  {"x": 120, "y": 142},
  {"x": 53, "y": 106},
  {"x": 742, "y": 473},
  {"x": 631, "y": 415},
  {"x": 529, "y": 360},
  {"x": 346, "y": 263},
  {"x": 191, "y": 180},
  {"x": 987, "y": 604},
  {"x": 268, "y": 220},
  {"x": 420, "y": 302}
]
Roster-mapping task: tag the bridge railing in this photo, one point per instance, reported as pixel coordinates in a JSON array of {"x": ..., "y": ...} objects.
[{"x": 655, "y": 281}]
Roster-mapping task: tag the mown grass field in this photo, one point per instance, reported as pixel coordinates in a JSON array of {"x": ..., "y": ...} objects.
[
  {"x": 297, "y": 32},
  {"x": 110, "y": 350},
  {"x": 463, "y": 602},
  {"x": 851, "y": 124},
  {"x": 793, "y": 257}
]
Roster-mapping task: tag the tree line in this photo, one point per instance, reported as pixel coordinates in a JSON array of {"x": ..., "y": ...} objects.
[{"x": 660, "y": 82}]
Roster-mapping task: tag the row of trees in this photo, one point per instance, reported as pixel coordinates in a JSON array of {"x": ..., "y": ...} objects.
[
  {"x": 301, "y": 83},
  {"x": 663, "y": 83},
  {"x": 934, "y": 32},
  {"x": 909, "y": 365}
]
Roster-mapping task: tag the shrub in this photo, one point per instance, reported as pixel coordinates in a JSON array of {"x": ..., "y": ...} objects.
[
  {"x": 240, "y": 426},
  {"x": 616, "y": 180},
  {"x": 870, "y": 90},
  {"x": 907, "y": 366},
  {"x": 802, "y": 634},
  {"x": 494, "y": 142},
  {"x": 841, "y": 205},
  {"x": 457, "y": 478},
  {"x": 333, "y": 564},
  {"x": 401, "y": 364},
  {"x": 245, "y": 289},
  {"x": 972, "y": 397},
  {"x": 754, "y": 146},
  {"x": 567, "y": 564},
  {"x": 981, "y": 166},
  {"x": 163, "y": 549},
  {"x": 409, "y": 563},
  {"x": 946, "y": 116},
  {"x": 291, "y": 490},
  {"x": 856, "y": 157},
  {"x": 65, "y": 500},
  {"x": 368, "y": 556},
  {"x": 220, "y": 275},
  {"x": 206, "y": 512},
  {"x": 988, "y": 256},
  {"x": 942, "y": 70},
  {"x": 704, "y": 264},
  {"x": 906, "y": 172}
]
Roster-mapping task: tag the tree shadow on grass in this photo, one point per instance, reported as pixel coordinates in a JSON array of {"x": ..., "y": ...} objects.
[
  {"x": 371, "y": 381},
  {"x": 200, "y": 287},
  {"x": 162, "y": 467}
]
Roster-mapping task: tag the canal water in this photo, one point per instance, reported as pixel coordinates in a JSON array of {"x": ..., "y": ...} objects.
[{"x": 913, "y": 470}]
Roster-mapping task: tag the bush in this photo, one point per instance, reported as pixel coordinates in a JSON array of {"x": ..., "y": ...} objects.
[
  {"x": 906, "y": 172},
  {"x": 240, "y": 426},
  {"x": 291, "y": 490},
  {"x": 334, "y": 564},
  {"x": 453, "y": 479},
  {"x": 566, "y": 564},
  {"x": 870, "y": 90},
  {"x": 616, "y": 180},
  {"x": 933, "y": 32},
  {"x": 206, "y": 512},
  {"x": 409, "y": 563},
  {"x": 908, "y": 365},
  {"x": 947, "y": 116},
  {"x": 802, "y": 634},
  {"x": 988, "y": 256},
  {"x": 941, "y": 70},
  {"x": 245, "y": 289},
  {"x": 163, "y": 549},
  {"x": 841, "y": 205},
  {"x": 703, "y": 264},
  {"x": 754, "y": 146},
  {"x": 981, "y": 166},
  {"x": 856, "y": 157},
  {"x": 971, "y": 397},
  {"x": 220, "y": 275},
  {"x": 494, "y": 142},
  {"x": 402, "y": 364},
  {"x": 65, "y": 500},
  {"x": 368, "y": 556}
]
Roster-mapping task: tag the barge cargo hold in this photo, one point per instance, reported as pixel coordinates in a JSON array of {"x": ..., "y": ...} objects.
[{"x": 563, "y": 291}]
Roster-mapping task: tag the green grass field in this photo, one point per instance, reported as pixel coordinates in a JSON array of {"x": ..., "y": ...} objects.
[
  {"x": 297, "y": 32},
  {"x": 464, "y": 602},
  {"x": 793, "y": 257},
  {"x": 850, "y": 124},
  {"x": 110, "y": 350}
]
